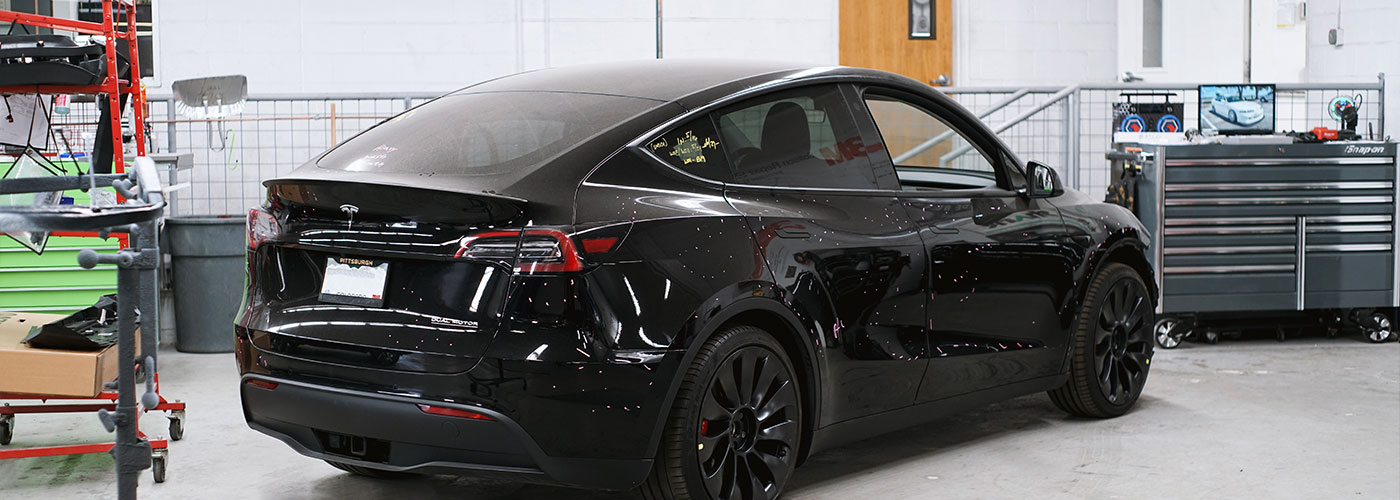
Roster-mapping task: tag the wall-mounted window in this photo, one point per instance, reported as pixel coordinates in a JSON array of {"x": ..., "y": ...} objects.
[
  {"x": 1151, "y": 33},
  {"x": 41, "y": 7},
  {"x": 91, "y": 11}
]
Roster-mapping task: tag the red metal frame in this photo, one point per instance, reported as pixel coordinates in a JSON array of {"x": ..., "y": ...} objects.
[
  {"x": 112, "y": 87},
  {"x": 109, "y": 405}
]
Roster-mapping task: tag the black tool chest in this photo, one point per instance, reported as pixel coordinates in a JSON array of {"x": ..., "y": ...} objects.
[{"x": 1272, "y": 227}]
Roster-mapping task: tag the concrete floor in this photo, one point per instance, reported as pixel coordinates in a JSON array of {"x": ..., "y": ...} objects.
[{"x": 1308, "y": 419}]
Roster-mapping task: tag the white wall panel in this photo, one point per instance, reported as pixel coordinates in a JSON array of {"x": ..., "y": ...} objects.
[
  {"x": 1015, "y": 42},
  {"x": 439, "y": 45},
  {"x": 1202, "y": 41},
  {"x": 1370, "y": 45}
]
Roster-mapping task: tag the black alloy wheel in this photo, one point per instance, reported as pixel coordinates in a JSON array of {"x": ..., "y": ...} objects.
[
  {"x": 736, "y": 426},
  {"x": 1113, "y": 345}
]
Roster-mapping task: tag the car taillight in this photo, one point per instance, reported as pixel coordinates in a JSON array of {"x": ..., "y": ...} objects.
[
  {"x": 261, "y": 384},
  {"x": 536, "y": 251},
  {"x": 262, "y": 226},
  {"x": 453, "y": 412}
]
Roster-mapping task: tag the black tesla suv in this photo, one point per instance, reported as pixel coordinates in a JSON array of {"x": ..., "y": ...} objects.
[{"x": 678, "y": 277}]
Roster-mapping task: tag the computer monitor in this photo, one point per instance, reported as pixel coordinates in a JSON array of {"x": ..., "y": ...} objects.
[{"x": 1237, "y": 109}]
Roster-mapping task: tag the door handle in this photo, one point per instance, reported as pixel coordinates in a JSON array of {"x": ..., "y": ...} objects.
[
  {"x": 942, "y": 230},
  {"x": 792, "y": 233}
]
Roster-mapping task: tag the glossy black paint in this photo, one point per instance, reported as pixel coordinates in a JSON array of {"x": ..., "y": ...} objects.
[
  {"x": 989, "y": 255},
  {"x": 895, "y": 306}
]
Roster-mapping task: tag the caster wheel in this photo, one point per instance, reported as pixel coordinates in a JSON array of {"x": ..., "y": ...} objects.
[
  {"x": 177, "y": 425},
  {"x": 158, "y": 461},
  {"x": 1211, "y": 337},
  {"x": 1382, "y": 330},
  {"x": 7, "y": 429},
  {"x": 1165, "y": 334}
]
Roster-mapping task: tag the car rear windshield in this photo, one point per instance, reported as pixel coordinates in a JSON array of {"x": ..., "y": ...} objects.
[{"x": 482, "y": 133}]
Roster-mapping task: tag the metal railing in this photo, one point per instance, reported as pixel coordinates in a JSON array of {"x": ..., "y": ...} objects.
[{"x": 1070, "y": 128}]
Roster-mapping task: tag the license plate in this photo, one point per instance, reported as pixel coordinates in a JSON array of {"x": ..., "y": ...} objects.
[{"x": 354, "y": 281}]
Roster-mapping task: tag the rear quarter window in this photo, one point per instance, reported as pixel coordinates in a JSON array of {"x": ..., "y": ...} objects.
[{"x": 693, "y": 147}]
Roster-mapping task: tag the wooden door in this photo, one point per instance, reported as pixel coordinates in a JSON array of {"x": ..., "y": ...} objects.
[{"x": 876, "y": 34}]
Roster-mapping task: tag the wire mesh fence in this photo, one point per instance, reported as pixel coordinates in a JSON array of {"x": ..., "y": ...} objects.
[
  {"x": 271, "y": 137},
  {"x": 1045, "y": 135},
  {"x": 233, "y": 156},
  {"x": 275, "y": 134}
]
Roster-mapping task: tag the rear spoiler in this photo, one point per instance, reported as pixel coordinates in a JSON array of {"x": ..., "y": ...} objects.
[{"x": 394, "y": 202}]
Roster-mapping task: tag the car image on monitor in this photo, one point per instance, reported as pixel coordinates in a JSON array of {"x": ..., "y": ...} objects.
[{"x": 1237, "y": 109}]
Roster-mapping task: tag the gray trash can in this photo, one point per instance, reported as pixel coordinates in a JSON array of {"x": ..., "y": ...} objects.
[{"x": 206, "y": 259}]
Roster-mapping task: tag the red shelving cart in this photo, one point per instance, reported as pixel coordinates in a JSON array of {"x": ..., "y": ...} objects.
[{"x": 112, "y": 87}]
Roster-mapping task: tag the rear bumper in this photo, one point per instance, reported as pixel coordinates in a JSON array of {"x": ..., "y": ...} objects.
[{"x": 308, "y": 417}]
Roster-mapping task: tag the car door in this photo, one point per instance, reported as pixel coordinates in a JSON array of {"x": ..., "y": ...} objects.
[
  {"x": 997, "y": 271},
  {"x": 836, "y": 239}
]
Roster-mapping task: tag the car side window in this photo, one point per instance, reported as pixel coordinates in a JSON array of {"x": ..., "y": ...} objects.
[
  {"x": 800, "y": 138},
  {"x": 927, "y": 152},
  {"x": 693, "y": 147}
]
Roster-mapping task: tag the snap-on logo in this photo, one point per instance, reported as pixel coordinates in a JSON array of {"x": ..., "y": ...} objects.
[{"x": 1353, "y": 149}]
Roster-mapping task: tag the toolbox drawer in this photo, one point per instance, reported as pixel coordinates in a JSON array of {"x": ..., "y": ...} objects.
[
  {"x": 1335, "y": 271},
  {"x": 1281, "y": 173},
  {"x": 1266, "y": 282}
]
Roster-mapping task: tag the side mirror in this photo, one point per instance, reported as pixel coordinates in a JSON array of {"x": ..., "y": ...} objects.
[{"x": 1043, "y": 181}]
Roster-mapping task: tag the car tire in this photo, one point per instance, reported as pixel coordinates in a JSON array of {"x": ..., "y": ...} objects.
[
  {"x": 1111, "y": 349},
  {"x": 1234, "y": 117},
  {"x": 371, "y": 473},
  {"x": 723, "y": 440}
]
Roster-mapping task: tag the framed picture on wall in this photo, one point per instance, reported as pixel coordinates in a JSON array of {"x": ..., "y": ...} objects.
[{"x": 921, "y": 19}]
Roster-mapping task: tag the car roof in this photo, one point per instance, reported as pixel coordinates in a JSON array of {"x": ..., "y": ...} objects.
[
  {"x": 677, "y": 86},
  {"x": 689, "y": 82}
]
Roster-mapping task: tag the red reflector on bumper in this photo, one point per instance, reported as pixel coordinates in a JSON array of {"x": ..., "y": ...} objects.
[
  {"x": 598, "y": 245},
  {"x": 262, "y": 384},
  {"x": 453, "y": 412}
]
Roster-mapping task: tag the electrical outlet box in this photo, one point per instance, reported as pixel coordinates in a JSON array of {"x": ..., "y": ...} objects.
[{"x": 1334, "y": 37}]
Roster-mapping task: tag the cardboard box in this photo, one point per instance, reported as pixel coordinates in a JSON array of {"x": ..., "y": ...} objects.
[{"x": 49, "y": 371}]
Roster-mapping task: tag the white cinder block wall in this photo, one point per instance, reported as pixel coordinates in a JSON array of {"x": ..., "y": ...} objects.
[
  {"x": 802, "y": 31},
  {"x": 1370, "y": 45},
  {"x": 1016, "y": 42},
  {"x": 318, "y": 46}
]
